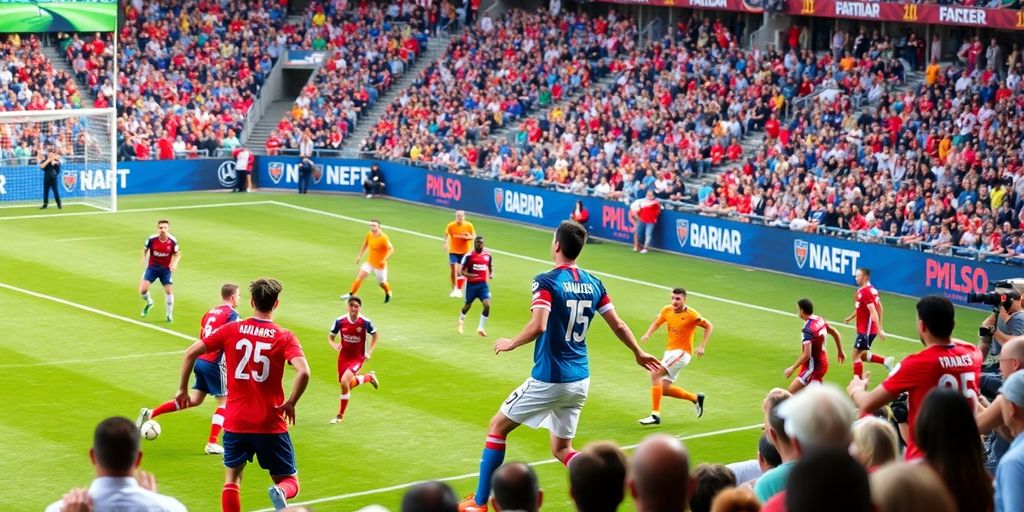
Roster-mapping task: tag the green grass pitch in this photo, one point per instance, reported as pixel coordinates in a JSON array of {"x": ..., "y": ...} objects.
[{"x": 64, "y": 368}]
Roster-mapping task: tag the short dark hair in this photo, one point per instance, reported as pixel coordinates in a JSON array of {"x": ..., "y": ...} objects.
[
  {"x": 679, "y": 291},
  {"x": 571, "y": 236},
  {"x": 228, "y": 290},
  {"x": 711, "y": 479},
  {"x": 355, "y": 299},
  {"x": 515, "y": 487},
  {"x": 597, "y": 478},
  {"x": 163, "y": 221},
  {"x": 866, "y": 271},
  {"x": 264, "y": 293},
  {"x": 430, "y": 497},
  {"x": 806, "y": 306},
  {"x": 115, "y": 444},
  {"x": 830, "y": 476},
  {"x": 938, "y": 315},
  {"x": 777, "y": 423},
  {"x": 768, "y": 452},
  {"x": 478, "y": 239},
  {"x": 375, "y": 220}
]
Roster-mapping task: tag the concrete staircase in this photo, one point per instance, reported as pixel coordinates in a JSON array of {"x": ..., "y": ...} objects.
[
  {"x": 60, "y": 63},
  {"x": 436, "y": 48},
  {"x": 268, "y": 123}
]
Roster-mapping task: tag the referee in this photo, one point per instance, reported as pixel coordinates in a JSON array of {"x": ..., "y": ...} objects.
[{"x": 51, "y": 170}]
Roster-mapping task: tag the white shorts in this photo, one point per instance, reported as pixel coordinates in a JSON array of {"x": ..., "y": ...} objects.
[
  {"x": 380, "y": 273},
  {"x": 555, "y": 407},
  {"x": 674, "y": 361}
]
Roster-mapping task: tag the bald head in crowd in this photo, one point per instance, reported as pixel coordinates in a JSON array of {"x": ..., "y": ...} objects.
[
  {"x": 660, "y": 481},
  {"x": 515, "y": 487}
]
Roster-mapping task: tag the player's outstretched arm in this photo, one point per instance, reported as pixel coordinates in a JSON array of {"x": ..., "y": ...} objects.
[
  {"x": 868, "y": 401},
  {"x": 621, "y": 330},
  {"x": 805, "y": 355},
  {"x": 650, "y": 330},
  {"x": 298, "y": 388},
  {"x": 191, "y": 354},
  {"x": 839, "y": 342},
  {"x": 175, "y": 258},
  {"x": 534, "y": 328},
  {"x": 876, "y": 317},
  {"x": 699, "y": 352}
]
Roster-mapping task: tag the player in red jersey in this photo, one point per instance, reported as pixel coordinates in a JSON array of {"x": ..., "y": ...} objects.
[
  {"x": 944, "y": 362},
  {"x": 209, "y": 371},
  {"x": 257, "y": 415},
  {"x": 160, "y": 256},
  {"x": 353, "y": 351},
  {"x": 867, "y": 307},
  {"x": 813, "y": 360},
  {"x": 478, "y": 268}
]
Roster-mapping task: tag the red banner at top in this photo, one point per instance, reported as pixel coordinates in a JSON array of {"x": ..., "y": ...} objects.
[{"x": 932, "y": 14}]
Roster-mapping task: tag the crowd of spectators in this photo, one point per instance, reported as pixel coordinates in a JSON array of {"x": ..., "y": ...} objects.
[
  {"x": 190, "y": 70},
  {"x": 492, "y": 75},
  {"x": 367, "y": 47},
  {"x": 28, "y": 80},
  {"x": 92, "y": 61},
  {"x": 937, "y": 166}
]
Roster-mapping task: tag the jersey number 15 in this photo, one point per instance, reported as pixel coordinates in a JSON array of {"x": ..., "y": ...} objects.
[{"x": 577, "y": 316}]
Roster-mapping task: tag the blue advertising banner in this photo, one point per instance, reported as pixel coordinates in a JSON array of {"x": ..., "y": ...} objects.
[
  {"x": 25, "y": 182},
  {"x": 795, "y": 253}
]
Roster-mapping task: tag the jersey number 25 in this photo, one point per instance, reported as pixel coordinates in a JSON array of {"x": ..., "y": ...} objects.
[{"x": 254, "y": 354}]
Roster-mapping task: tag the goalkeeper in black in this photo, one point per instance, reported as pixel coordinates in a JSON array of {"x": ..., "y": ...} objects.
[{"x": 51, "y": 172}]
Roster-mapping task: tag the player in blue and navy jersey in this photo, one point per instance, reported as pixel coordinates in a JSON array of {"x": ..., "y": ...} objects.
[
  {"x": 478, "y": 268},
  {"x": 565, "y": 300},
  {"x": 160, "y": 255}
]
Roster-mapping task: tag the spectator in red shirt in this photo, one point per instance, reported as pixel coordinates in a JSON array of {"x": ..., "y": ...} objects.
[
  {"x": 644, "y": 213},
  {"x": 165, "y": 148},
  {"x": 581, "y": 215}
]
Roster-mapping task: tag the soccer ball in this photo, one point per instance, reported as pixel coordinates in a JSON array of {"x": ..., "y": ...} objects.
[{"x": 150, "y": 430}]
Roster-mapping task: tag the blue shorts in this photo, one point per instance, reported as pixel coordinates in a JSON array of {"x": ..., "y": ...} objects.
[
  {"x": 477, "y": 291},
  {"x": 154, "y": 272},
  {"x": 209, "y": 378},
  {"x": 863, "y": 341},
  {"x": 454, "y": 258},
  {"x": 273, "y": 451}
]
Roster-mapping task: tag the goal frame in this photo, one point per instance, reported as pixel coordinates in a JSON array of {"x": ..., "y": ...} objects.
[{"x": 110, "y": 114}]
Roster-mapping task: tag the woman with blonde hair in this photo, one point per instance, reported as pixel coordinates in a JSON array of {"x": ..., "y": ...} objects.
[
  {"x": 874, "y": 442},
  {"x": 737, "y": 500},
  {"x": 900, "y": 487}
]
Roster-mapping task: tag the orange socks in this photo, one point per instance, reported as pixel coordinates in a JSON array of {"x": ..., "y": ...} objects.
[
  {"x": 656, "y": 399},
  {"x": 355, "y": 287},
  {"x": 678, "y": 392}
]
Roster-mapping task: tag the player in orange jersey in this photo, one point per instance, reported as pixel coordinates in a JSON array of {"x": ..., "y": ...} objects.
[
  {"x": 378, "y": 248},
  {"x": 457, "y": 237},
  {"x": 682, "y": 322}
]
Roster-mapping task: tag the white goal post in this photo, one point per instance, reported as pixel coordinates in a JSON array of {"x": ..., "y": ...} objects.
[{"x": 85, "y": 139}]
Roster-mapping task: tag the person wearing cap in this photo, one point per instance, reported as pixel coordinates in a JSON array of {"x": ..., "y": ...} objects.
[{"x": 1010, "y": 472}]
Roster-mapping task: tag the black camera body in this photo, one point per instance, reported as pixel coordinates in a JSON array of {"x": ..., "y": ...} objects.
[{"x": 1002, "y": 295}]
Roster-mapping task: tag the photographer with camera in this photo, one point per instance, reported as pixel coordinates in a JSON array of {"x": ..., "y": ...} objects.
[{"x": 1005, "y": 322}]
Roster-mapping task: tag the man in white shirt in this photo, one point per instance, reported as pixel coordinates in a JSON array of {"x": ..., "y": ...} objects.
[{"x": 115, "y": 453}]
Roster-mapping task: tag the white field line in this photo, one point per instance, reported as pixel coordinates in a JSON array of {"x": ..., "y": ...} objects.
[
  {"x": 391, "y": 227},
  {"x": 406, "y": 485},
  {"x": 97, "y": 312},
  {"x": 134, "y": 210}
]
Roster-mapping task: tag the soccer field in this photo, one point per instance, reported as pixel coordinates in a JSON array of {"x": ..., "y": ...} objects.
[{"x": 75, "y": 350}]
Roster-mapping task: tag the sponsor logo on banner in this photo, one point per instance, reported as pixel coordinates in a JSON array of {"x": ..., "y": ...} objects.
[
  {"x": 226, "y": 175},
  {"x": 682, "y": 231},
  {"x": 616, "y": 219},
  {"x": 70, "y": 180},
  {"x": 955, "y": 280},
  {"x": 445, "y": 190},
  {"x": 519, "y": 203},
  {"x": 499, "y": 198},
  {"x": 857, "y": 9},
  {"x": 826, "y": 258},
  {"x": 709, "y": 237},
  {"x": 962, "y": 15},
  {"x": 800, "y": 253},
  {"x": 276, "y": 171}
]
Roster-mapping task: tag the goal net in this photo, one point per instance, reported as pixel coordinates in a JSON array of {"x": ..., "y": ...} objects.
[{"x": 85, "y": 141}]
